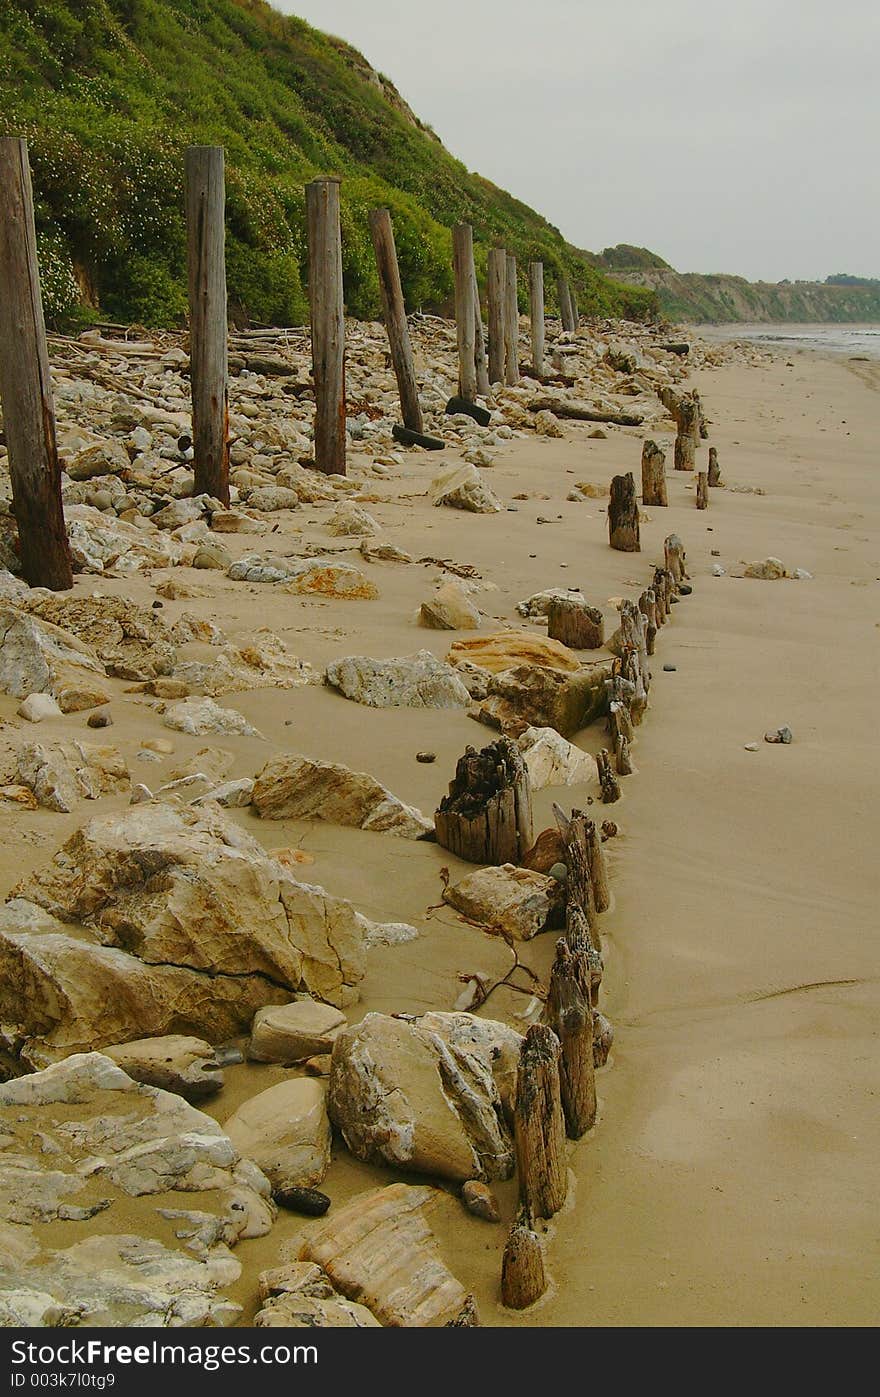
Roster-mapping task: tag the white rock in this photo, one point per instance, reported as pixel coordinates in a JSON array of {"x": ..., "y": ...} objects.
[
  {"x": 409, "y": 681},
  {"x": 553, "y": 761},
  {"x": 37, "y": 707},
  {"x": 349, "y": 519},
  {"x": 202, "y": 715},
  {"x": 462, "y": 487},
  {"x": 292, "y": 787}
]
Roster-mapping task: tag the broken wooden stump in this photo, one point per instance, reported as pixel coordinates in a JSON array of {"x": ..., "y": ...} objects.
[
  {"x": 566, "y": 309},
  {"x": 622, "y": 759},
  {"x": 714, "y": 471},
  {"x": 523, "y": 1279},
  {"x": 648, "y": 608},
  {"x": 569, "y": 1013},
  {"x": 702, "y": 500},
  {"x": 598, "y": 868},
  {"x": 623, "y": 515},
  {"x": 673, "y": 549},
  {"x": 608, "y": 782},
  {"x": 575, "y": 624},
  {"x": 487, "y": 815},
  {"x": 687, "y": 417},
  {"x": 603, "y": 1037},
  {"x": 539, "y": 1124},
  {"x": 653, "y": 474}
]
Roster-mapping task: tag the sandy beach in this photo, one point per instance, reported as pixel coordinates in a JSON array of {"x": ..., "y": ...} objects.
[{"x": 730, "y": 1177}]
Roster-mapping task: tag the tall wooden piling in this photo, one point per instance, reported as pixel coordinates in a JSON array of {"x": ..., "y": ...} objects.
[
  {"x": 394, "y": 314},
  {"x": 511, "y": 324},
  {"x": 209, "y": 372},
  {"x": 328, "y": 323},
  {"x": 497, "y": 295},
  {"x": 653, "y": 474},
  {"x": 539, "y": 1124},
  {"x": 536, "y": 311},
  {"x": 463, "y": 266},
  {"x": 483, "y": 385},
  {"x": 566, "y": 310},
  {"x": 623, "y": 514},
  {"x": 575, "y": 313},
  {"x": 25, "y": 382}
]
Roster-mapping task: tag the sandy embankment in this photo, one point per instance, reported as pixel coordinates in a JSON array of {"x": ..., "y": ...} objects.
[{"x": 730, "y": 1178}]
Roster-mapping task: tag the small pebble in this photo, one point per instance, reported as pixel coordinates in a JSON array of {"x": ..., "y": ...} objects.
[
  {"x": 610, "y": 830},
  {"x": 559, "y": 872},
  {"x": 716, "y": 552},
  {"x": 685, "y": 588},
  {"x": 101, "y": 719},
  {"x": 670, "y": 669},
  {"x": 303, "y": 1200},
  {"x": 157, "y": 605},
  {"x": 479, "y": 1199},
  {"x": 752, "y": 746},
  {"x": 780, "y": 735},
  {"x": 426, "y": 756}
]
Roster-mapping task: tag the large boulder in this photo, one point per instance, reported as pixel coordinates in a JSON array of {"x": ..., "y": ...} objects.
[
  {"x": 505, "y": 650},
  {"x": 536, "y": 696},
  {"x": 132, "y": 642},
  {"x": 286, "y": 1132},
  {"x": 517, "y": 900},
  {"x": 380, "y": 1252},
  {"x": 166, "y": 919},
  {"x": 292, "y": 787},
  {"x": 449, "y": 609},
  {"x": 37, "y": 657},
  {"x": 426, "y": 1094},
  {"x": 553, "y": 761},
  {"x": 408, "y": 681},
  {"x": 83, "y": 1142}
]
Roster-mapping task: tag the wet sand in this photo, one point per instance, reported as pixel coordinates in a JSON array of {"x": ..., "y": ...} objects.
[{"x": 730, "y": 1178}]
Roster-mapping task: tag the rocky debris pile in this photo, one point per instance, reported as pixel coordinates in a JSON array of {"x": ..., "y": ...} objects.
[
  {"x": 431, "y": 1094},
  {"x": 83, "y": 1141},
  {"x": 168, "y": 919},
  {"x": 37, "y": 657}
]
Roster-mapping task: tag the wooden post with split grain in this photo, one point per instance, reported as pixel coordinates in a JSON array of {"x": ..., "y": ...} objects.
[
  {"x": 26, "y": 383},
  {"x": 394, "y": 315},
  {"x": 511, "y": 324},
  {"x": 539, "y": 1124},
  {"x": 566, "y": 310},
  {"x": 648, "y": 608},
  {"x": 714, "y": 471},
  {"x": 608, "y": 783},
  {"x": 523, "y": 1279},
  {"x": 623, "y": 514},
  {"x": 483, "y": 385},
  {"x": 687, "y": 417},
  {"x": 581, "y": 921},
  {"x": 575, "y": 313},
  {"x": 598, "y": 868},
  {"x": 575, "y": 624},
  {"x": 497, "y": 297},
  {"x": 675, "y": 557},
  {"x": 465, "y": 327},
  {"x": 536, "y": 314},
  {"x": 328, "y": 323},
  {"x": 702, "y": 490},
  {"x": 653, "y": 474},
  {"x": 487, "y": 815},
  {"x": 209, "y": 329},
  {"x": 569, "y": 1013}
]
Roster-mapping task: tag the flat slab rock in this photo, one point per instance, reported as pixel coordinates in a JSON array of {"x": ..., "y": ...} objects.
[
  {"x": 295, "y": 787},
  {"x": 428, "y": 1094},
  {"x": 288, "y": 1033},
  {"x": 379, "y": 1251},
  {"x": 505, "y": 650},
  {"x": 174, "y": 1062},
  {"x": 167, "y": 918},
  {"x": 82, "y": 1141},
  {"x": 517, "y": 900},
  {"x": 409, "y": 681}
]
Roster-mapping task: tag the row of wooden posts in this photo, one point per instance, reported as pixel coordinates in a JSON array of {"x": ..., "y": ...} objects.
[{"x": 25, "y": 384}]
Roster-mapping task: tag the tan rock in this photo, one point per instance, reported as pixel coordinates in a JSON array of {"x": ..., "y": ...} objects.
[
  {"x": 61, "y": 774},
  {"x": 130, "y": 640},
  {"x": 349, "y": 519},
  {"x": 552, "y": 761},
  {"x": 288, "y": 1033},
  {"x": 462, "y": 487},
  {"x": 517, "y": 900},
  {"x": 286, "y": 1132},
  {"x": 505, "y": 650},
  {"x": 316, "y": 577},
  {"x": 187, "y": 1066},
  {"x": 535, "y": 696},
  {"x": 379, "y": 1251},
  {"x": 449, "y": 609},
  {"x": 294, "y": 787},
  {"x": 39, "y": 658}
]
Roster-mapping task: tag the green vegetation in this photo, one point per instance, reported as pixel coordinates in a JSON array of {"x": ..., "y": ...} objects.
[{"x": 109, "y": 92}]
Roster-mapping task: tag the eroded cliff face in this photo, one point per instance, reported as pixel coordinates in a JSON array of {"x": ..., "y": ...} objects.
[{"x": 707, "y": 299}]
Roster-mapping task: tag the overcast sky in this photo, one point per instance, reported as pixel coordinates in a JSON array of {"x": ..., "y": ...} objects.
[{"x": 739, "y": 137}]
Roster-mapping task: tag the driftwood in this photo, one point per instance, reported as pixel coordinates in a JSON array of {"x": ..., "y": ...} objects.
[
  {"x": 575, "y": 624},
  {"x": 479, "y": 414},
  {"x": 579, "y": 413},
  {"x": 623, "y": 515},
  {"x": 607, "y": 780},
  {"x": 523, "y": 1279},
  {"x": 714, "y": 468},
  {"x": 487, "y": 815},
  {"x": 702, "y": 500},
  {"x": 563, "y": 380},
  {"x": 569, "y": 1013},
  {"x": 653, "y": 474},
  {"x": 539, "y": 1124},
  {"x": 406, "y": 437}
]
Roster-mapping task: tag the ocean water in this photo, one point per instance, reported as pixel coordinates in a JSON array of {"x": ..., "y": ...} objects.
[{"x": 847, "y": 340}]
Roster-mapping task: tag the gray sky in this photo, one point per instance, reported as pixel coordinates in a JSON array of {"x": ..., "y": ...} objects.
[{"x": 738, "y": 137}]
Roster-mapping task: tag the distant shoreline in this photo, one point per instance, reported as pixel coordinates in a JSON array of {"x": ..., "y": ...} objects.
[{"x": 841, "y": 341}]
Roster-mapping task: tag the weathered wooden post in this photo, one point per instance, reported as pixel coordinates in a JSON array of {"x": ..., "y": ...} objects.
[
  {"x": 569, "y": 1013},
  {"x": 483, "y": 385},
  {"x": 623, "y": 514},
  {"x": 566, "y": 309},
  {"x": 653, "y": 474},
  {"x": 394, "y": 313},
  {"x": 687, "y": 417},
  {"x": 608, "y": 782},
  {"x": 702, "y": 490},
  {"x": 328, "y": 323},
  {"x": 675, "y": 557},
  {"x": 487, "y": 815},
  {"x": 714, "y": 471},
  {"x": 575, "y": 624},
  {"x": 463, "y": 266},
  {"x": 539, "y": 1125},
  {"x": 575, "y": 313},
  {"x": 511, "y": 325},
  {"x": 536, "y": 310},
  {"x": 497, "y": 294},
  {"x": 523, "y": 1279},
  {"x": 26, "y": 384},
  {"x": 209, "y": 330}
]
